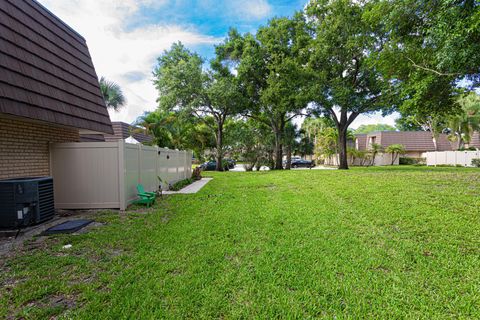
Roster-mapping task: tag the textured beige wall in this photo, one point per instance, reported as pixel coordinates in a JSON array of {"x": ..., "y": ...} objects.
[{"x": 24, "y": 146}]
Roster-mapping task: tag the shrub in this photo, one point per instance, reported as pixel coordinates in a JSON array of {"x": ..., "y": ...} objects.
[
  {"x": 412, "y": 161},
  {"x": 197, "y": 173},
  {"x": 180, "y": 184},
  {"x": 476, "y": 162}
]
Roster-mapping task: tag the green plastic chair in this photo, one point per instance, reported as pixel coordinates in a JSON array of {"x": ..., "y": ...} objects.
[
  {"x": 147, "y": 198},
  {"x": 140, "y": 189}
]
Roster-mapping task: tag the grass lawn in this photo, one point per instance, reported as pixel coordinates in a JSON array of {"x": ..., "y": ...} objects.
[{"x": 398, "y": 242}]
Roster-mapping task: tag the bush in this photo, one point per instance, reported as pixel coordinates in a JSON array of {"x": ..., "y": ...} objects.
[
  {"x": 468, "y": 149},
  {"x": 476, "y": 162},
  {"x": 180, "y": 184},
  {"x": 412, "y": 161},
  {"x": 197, "y": 173}
]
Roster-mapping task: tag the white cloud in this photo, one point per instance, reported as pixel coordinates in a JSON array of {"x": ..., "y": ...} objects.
[
  {"x": 119, "y": 53},
  {"x": 375, "y": 118},
  {"x": 252, "y": 9}
]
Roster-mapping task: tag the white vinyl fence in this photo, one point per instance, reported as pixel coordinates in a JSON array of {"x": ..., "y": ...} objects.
[
  {"x": 463, "y": 158},
  {"x": 89, "y": 175}
]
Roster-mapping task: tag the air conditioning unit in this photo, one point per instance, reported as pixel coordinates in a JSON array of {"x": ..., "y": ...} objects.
[{"x": 26, "y": 201}]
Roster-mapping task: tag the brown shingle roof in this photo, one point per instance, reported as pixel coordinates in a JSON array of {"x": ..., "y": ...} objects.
[
  {"x": 421, "y": 141},
  {"x": 123, "y": 130},
  {"x": 46, "y": 72}
]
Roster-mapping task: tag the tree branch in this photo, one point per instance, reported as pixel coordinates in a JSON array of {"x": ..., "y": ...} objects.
[
  {"x": 334, "y": 116},
  {"x": 352, "y": 117},
  {"x": 432, "y": 70}
]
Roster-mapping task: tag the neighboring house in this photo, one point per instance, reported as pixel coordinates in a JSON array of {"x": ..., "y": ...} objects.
[
  {"x": 475, "y": 141},
  {"x": 121, "y": 131},
  {"x": 415, "y": 142},
  {"x": 49, "y": 90}
]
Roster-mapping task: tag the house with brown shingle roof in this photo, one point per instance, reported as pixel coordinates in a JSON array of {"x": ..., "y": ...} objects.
[
  {"x": 415, "y": 142},
  {"x": 121, "y": 131},
  {"x": 49, "y": 89}
]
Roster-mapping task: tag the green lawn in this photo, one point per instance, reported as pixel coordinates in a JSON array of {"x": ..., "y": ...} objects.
[{"x": 392, "y": 243}]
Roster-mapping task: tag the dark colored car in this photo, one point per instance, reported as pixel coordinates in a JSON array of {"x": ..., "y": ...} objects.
[
  {"x": 300, "y": 163},
  {"x": 231, "y": 163},
  {"x": 212, "y": 165}
]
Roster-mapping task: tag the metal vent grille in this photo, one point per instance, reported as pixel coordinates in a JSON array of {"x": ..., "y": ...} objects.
[
  {"x": 7, "y": 199},
  {"x": 46, "y": 204}
]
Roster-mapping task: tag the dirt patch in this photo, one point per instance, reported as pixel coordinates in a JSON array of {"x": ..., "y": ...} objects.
[{"x": 30, "y": 238}]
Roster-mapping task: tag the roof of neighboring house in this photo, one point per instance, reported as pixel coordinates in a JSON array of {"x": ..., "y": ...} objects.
[
  {"x": 46, "y": 72},
  {"x": 411, "y": 140},
  {"x": 475, "y": 141},
  {"x": 123, "y": 130}
]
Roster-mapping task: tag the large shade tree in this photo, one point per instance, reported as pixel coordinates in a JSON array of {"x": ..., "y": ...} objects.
[
  {"x": 186, "y": 86},
  {"x": 271, "y": 68},
  {"x": 343, "y": 63},
  {"x": 432, "y": 48}
]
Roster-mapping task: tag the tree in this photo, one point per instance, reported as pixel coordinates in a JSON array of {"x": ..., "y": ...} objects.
[
  {"x": 431, "y": 46},
  {"x": 326, "y": 145},
  {"x": 368, "y": 128},
  {"x": 270, "y": 66},
  {"x": 112, "y": 94},
  {"x": 431, "y": 37},
  {"x": 177, "y": 131},
  {"x": 343, "y": 64},
  {"x": 185, "y": 86},
  {"x": 395, "y": 150},
  {"x": 374, "y": 149},
  {"x": 407, "y": 123},
  {"x": 305, "y": 146},
  {"x": 290, "y": 141},
  {"x": 434, "y": 123},
  {"x": 464, "y": 123},
  {"x": 250, "y": 141}
]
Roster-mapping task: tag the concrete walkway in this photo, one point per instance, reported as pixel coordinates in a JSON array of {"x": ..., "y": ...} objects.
[{"x": 191, "y": 188}]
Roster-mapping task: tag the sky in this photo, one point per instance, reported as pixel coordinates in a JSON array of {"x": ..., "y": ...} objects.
[{"x": 125, "y": 37}]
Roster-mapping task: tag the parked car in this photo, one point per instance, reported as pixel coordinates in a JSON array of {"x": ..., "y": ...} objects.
[
  {"x": 212, "y": 165},
  {"x": 300, "y": 163},
  {"x": 231, "y": 163}
]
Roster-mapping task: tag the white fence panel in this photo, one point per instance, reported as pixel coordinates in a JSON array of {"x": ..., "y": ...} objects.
[
  {"x": 105, "y": 174},
  {"x": 85, "y": 175},
  {"x": 453, "y": 158},
  {"x": 148, "y": 167}
]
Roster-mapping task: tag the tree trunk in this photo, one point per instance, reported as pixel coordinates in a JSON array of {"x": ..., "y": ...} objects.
[
  {"x": 219, "y": 155},
  {"x": 288, "y": 165},
  {"x": 342, "y": 146},
  {"x": 278, "y": 149}
]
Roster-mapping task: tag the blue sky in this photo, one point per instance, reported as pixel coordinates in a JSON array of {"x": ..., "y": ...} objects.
[
  {"x": 215, "y": 18},
  {"x": 126, "y": 36}
]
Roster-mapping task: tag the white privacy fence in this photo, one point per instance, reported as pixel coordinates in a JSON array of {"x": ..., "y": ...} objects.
[
  {"x": 463, "y": 158},
  {"x": 105, "y": 174}
]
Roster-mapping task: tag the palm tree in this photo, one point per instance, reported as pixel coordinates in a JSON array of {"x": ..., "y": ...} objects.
[
  {"x": 374, "y": 149},
  {"x": 463, "y": 124},
  {"x": 395, "y": 150},
  {"x": 112, "y": 94}
]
